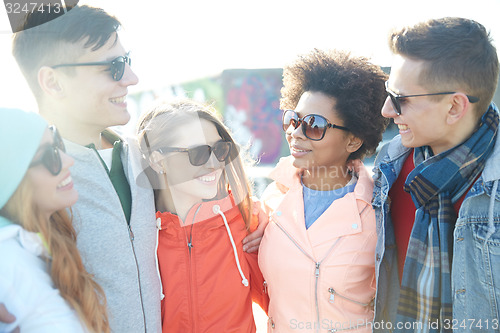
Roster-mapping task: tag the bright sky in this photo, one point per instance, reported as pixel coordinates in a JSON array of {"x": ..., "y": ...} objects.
[{"x": 176, "y": 41}]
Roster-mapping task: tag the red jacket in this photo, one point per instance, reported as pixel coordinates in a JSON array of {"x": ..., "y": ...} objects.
[{"x": 203, "y": 286}]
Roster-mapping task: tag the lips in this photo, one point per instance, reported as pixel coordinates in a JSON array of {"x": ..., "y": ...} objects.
[
  {"x": 298, "y": 152},
  {"x": 208, "y": 178},
  {"x": 118, "y": 100},
  {"x": 67, "y": 181},
  {"x": 299, "y": 149},
  {"x": 403, "y": 129}
]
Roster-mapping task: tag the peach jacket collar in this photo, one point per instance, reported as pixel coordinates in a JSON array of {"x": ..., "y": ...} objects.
[{"x": 288, "y": 177}]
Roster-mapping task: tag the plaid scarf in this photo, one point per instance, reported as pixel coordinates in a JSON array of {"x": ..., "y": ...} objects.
[{"x": 436, "y": 183}]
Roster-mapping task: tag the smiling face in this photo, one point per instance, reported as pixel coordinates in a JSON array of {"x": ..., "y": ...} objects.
[
  {"x": 51, "y": 193},
  {"x": 94, "y": 101},
  {"x": 189, "y": 184},
  {"x": 331, "y": 152},
  {"x": 423, "y": 119}
]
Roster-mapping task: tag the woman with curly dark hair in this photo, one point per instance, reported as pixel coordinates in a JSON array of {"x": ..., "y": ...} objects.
[{"x": 317, "y": 254}]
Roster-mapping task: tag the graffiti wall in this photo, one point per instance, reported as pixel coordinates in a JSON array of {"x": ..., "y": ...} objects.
[
  {"x": 248, "y": 100},
  {"x": 252, "y": 111}
]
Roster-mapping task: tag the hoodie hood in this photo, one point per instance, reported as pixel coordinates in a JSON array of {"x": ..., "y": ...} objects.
[
  {"x": 208, "y": 213},
  {"x": 30, "y": 241}
]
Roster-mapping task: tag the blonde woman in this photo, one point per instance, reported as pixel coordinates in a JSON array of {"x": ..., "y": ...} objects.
[
  {"x": 42, "y": 279},
  {"x": 204, "y": 211}
]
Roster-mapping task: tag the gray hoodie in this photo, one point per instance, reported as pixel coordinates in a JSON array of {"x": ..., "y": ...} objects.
[{"x": 122, "y": 258}]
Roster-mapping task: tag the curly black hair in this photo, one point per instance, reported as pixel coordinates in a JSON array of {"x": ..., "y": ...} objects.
[{"x": 356, "y": 85}]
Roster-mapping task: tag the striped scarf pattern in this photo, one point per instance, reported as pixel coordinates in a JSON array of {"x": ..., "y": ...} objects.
[{"x": 436, "y": 183}]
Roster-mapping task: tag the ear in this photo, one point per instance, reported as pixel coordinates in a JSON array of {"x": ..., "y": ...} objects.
[
  {"x": 459, "y": 107},
  {"x": 353, "y": 144},
  {"x": 155, "y": 162},
  {"x": 49, "y": 82}
]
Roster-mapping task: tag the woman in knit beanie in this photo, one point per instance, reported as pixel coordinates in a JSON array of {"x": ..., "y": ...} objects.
[{"x": 41, "y": 270}]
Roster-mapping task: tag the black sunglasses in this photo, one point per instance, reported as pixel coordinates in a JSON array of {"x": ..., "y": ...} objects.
[
  {"x": 201, "y": 154},
  {"x": 397, "y": 105},
  {"x": 51, "y": 158},
  {"x": 314, "y": 126},
  {"x": 116, "y": 66}
]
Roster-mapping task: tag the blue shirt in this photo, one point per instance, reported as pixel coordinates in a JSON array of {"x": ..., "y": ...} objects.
[{"x": 317, "y": 202}]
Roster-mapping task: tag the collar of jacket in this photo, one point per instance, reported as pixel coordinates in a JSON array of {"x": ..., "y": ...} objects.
[
  {"x": 202, "y": 212},
  {"x": 491, "y": 170},
  {"x": 287, "y": 176},
  {"x": 108, "y": 134},
  {"x": 30, "y": 241}
]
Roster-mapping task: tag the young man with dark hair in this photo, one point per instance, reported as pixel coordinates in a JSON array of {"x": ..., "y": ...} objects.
[
  {"x": 79, "y": 73},
  {"x": 436, "y": 183}
]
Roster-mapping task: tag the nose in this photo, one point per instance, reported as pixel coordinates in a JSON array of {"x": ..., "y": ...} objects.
[
  {"x": 213, "y": 162},
  {"x": 129, "y": 77},
  {"x": 388, "y": 110},
  {"x": 295, "y": 132},
  {"x": 67, "y": 161}
]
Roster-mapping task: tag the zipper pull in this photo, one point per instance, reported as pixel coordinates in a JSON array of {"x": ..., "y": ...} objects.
[
  {"x": 130, "y": 232},
  {"x": 316, "y": 273},
  {"x": 265, "y": 287},
  {"x": 332, "y": 296}
]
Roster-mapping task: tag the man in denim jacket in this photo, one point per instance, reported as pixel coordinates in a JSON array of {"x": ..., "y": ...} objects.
[{"x": 436, "y": 193}]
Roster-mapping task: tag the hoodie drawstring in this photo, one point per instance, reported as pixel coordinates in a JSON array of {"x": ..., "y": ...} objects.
[
  {"x": 158, "y": 228},
  {"x": 216, "y": 210}
]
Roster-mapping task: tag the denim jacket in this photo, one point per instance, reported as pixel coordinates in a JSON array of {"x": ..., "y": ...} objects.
[{"x": 476, "y": 248}]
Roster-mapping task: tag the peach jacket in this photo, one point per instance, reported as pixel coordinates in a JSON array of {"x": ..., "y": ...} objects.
[{"x": 320, "y": 279}]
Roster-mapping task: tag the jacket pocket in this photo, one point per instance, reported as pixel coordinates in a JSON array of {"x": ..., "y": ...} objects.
[
  {"x": 475, "y": 277},
  {"x": 334, "y": 294}
]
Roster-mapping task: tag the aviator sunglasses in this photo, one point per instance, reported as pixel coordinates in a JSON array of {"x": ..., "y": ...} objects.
[
  {"x": 201, "y": 154},
  {"x": 314, "y": 126},
  {"x": 51, "y": 158},
  {"x": 116, "y": 66},
  {"x": 397, "y": 104}
]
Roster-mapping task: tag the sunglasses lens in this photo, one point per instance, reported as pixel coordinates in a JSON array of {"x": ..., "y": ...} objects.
[
  {"x": 118, "y": 68},
  {"x": 289, "y": 118},
  {"x": 52, "y": 160},
  {"x": 58, "y": 141},
  {"x": 395, "y": 102},
  {"x": 221, "y": 150},
  {"x": 199, "y": 155},
  {"x": 314, "y": 127},
  {"x": 397, "y": 106}
]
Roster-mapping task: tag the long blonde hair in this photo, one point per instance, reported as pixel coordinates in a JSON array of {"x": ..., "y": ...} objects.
[
  {"x": 69, "y": 275},
  {"x": 157, "y": 125}
]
